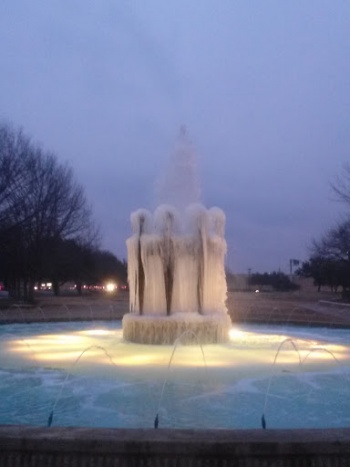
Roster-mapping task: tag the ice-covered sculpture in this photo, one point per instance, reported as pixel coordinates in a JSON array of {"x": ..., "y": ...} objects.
[{"x": 176, "y": 274}]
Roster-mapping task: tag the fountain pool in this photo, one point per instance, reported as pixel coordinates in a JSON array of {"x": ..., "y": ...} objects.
[{"x": 90, "y": 376}]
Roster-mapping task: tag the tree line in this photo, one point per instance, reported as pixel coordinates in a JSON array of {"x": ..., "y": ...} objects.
[
  {"x": 329, "y": 261},
  {"x": 276, "y": 280},
  {"x": 47, "y": 231}
]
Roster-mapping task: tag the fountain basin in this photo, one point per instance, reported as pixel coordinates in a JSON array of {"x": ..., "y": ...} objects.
[
  {"x": 164, "y": 330},
  {"x": 93, "y": 377},
  {"x": 81, "y": 447}
]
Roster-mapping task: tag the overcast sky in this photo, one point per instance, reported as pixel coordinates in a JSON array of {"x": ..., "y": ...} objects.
[{"x": 263, "y": 88}]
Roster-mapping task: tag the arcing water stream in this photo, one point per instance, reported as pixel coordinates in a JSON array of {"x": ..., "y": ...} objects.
[{"x": 92, "y": 377}]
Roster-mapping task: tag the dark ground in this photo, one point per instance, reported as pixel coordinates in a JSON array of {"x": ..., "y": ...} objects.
[{"x": 300, "y": 308}]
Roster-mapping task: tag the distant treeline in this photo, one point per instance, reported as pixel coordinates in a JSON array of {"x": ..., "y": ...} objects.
[{"x": 47, "y": 232}]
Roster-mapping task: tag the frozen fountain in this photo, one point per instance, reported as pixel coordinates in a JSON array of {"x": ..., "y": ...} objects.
[
  {"x": 176, "y": 268},
  {"x": 82, "y": 376}
]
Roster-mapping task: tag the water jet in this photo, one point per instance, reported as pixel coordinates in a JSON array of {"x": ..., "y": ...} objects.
[{"x": 121, "y": 385}]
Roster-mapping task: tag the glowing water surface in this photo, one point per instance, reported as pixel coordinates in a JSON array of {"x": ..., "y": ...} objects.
[{"x": 91, "y": 377}]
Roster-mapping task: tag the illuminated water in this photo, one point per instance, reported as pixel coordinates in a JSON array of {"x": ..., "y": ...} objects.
[{"x": 121, "y": 386}]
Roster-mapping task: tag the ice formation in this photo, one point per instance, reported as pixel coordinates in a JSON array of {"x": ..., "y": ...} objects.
[
  {"x": 176, "y": 275},
  {"x": 176, "y": 268}
]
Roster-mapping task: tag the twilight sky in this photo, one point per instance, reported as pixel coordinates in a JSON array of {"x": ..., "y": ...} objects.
[{"x": 263, "y": 88}]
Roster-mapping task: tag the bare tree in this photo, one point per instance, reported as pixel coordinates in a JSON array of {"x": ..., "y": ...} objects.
[
  {"x": 329, "y": 263},
  {"x": 335, "y": 244},
  {"x": 41, "y": 206},
  {"x": 341, "y": 186},
  {"x": 14, "y": 150}
]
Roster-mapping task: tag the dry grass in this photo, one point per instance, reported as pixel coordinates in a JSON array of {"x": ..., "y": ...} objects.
[
  {"x": 309, "y": 308},
  {"x": 300, "y": 308}
]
